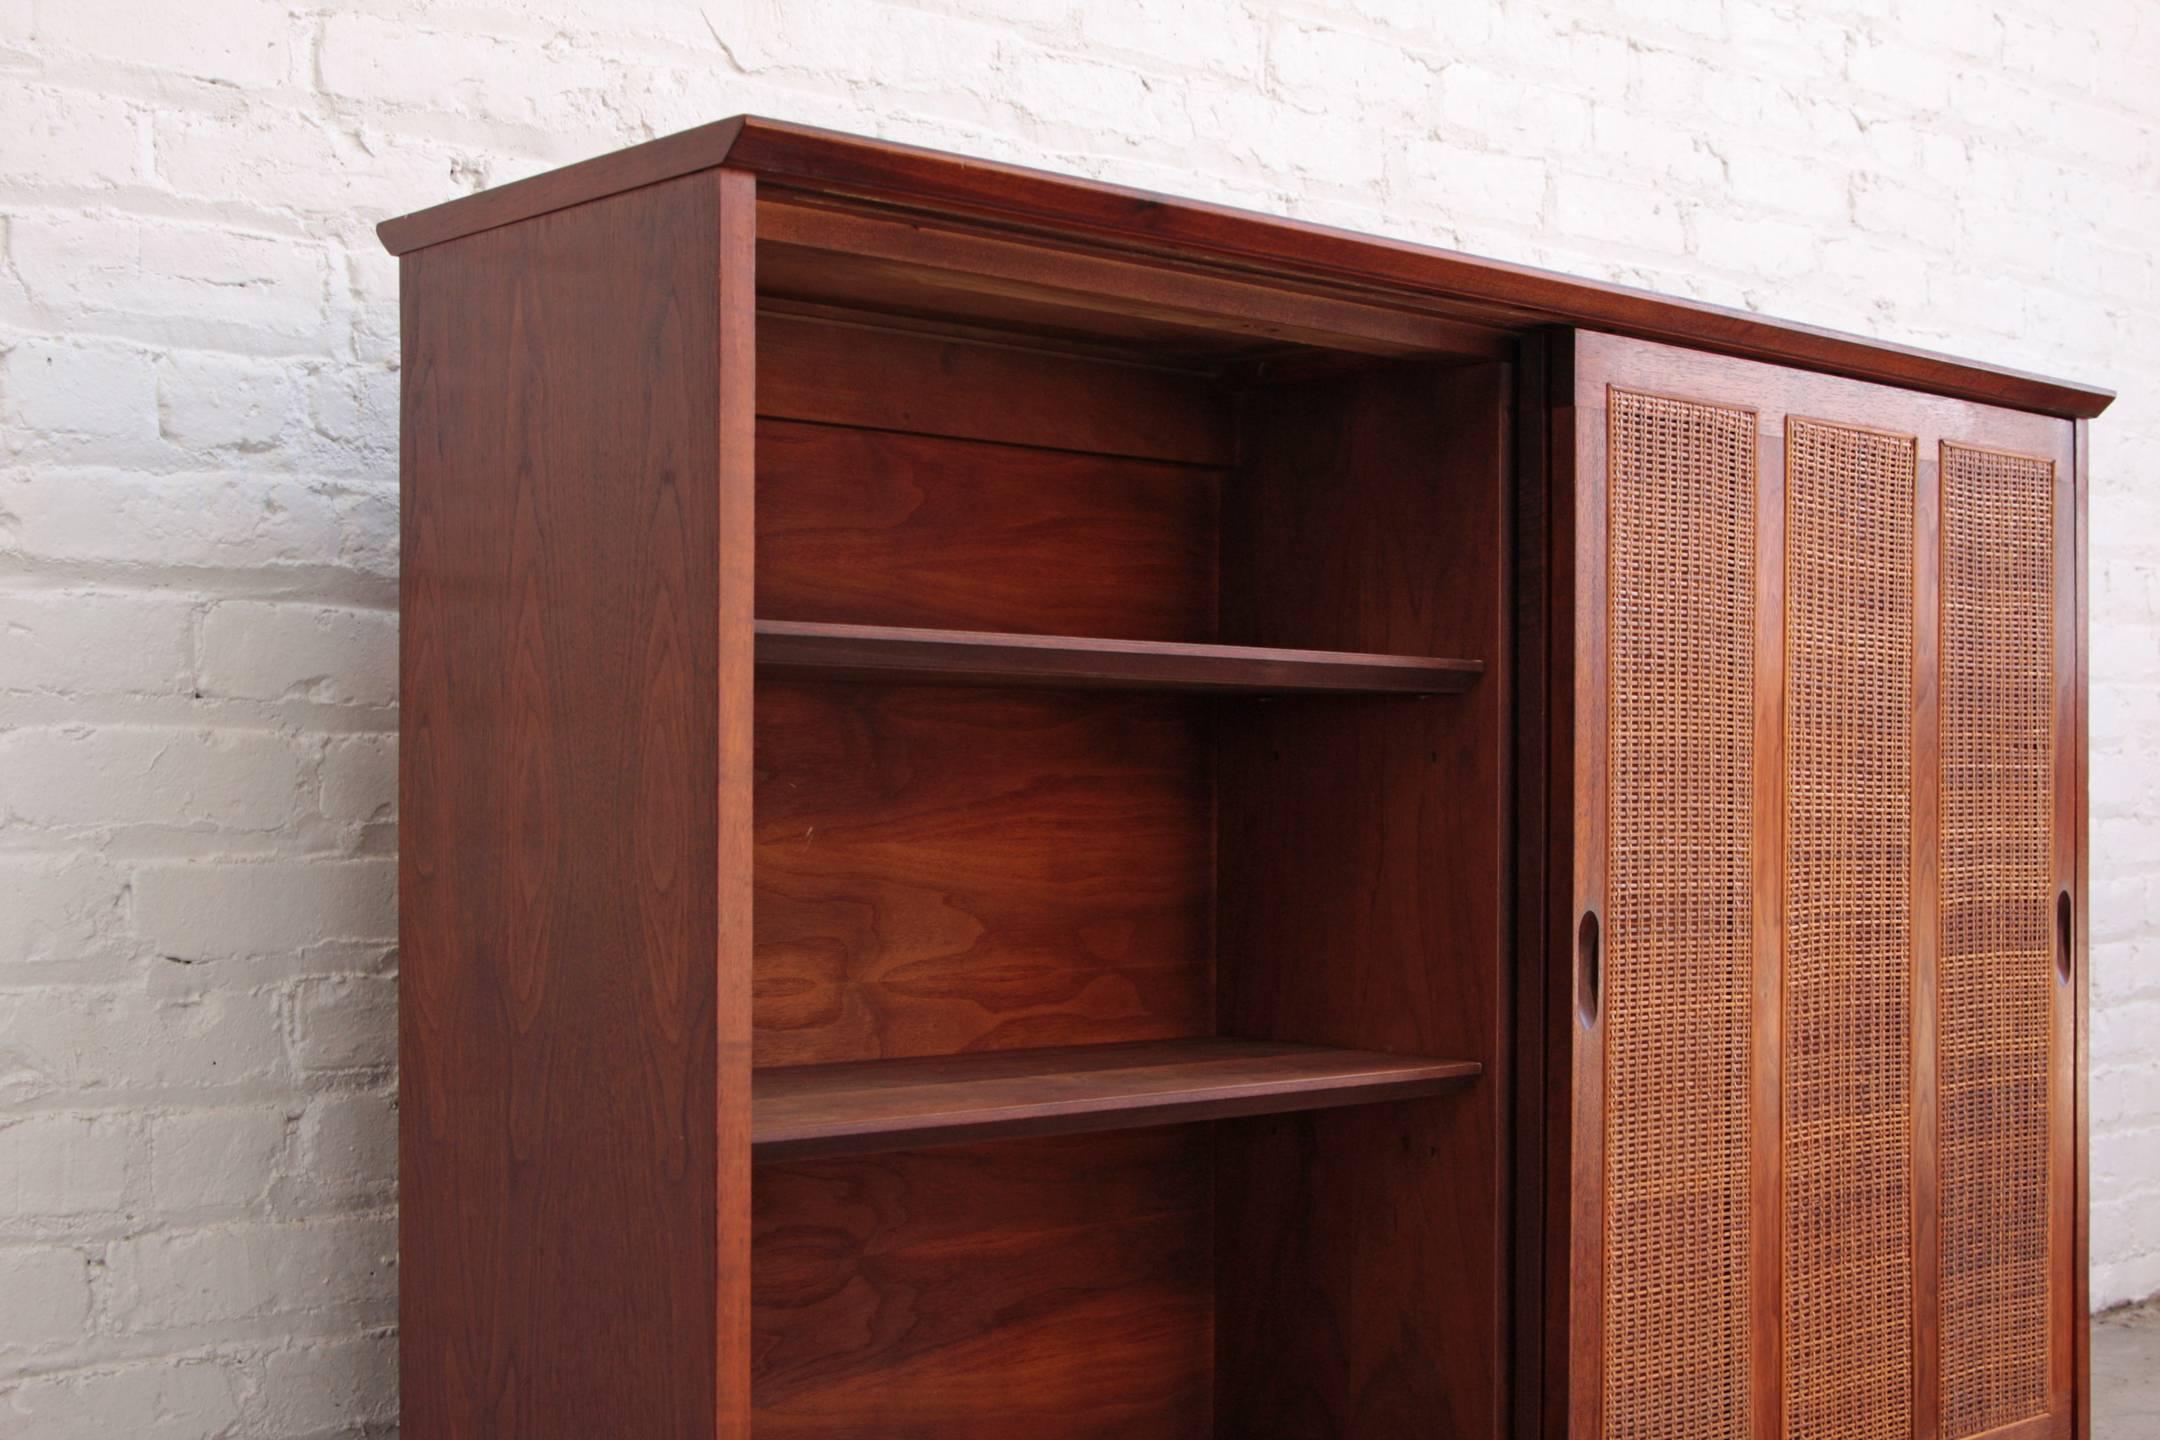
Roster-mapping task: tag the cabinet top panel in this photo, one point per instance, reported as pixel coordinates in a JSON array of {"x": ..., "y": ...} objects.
[{"x": 1065, "y": 210}]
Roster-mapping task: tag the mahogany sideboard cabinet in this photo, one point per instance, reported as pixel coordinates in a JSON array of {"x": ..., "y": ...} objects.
[{"x": 1032, "y": 811}]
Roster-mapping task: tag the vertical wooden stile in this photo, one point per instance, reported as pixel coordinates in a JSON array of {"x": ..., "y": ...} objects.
[
  {"x": 736, "y": 420},
  {"x": 1927, "y": 944}
]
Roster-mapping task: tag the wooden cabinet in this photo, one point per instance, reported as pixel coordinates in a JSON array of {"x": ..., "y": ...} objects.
[
  {"x": 1825, "y": 824},
  {"x": 1029, "y": 809}
]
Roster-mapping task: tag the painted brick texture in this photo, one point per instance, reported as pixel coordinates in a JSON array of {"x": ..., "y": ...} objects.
[{"x": 198, "y": 347}]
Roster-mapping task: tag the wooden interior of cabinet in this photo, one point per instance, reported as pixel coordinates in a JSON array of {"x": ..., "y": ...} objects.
[{"x": 1129, "y": 718}]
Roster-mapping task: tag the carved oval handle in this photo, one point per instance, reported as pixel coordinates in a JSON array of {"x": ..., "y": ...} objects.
[
  {"x": 1588, "y": 967},
  {"x": 2063, "y": 951}
]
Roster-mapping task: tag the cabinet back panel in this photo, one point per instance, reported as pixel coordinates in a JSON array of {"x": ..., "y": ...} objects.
[
  {"x": 875, "y": 527},
  {"x": 843, "y": 373},
  {"x": 942, "y": 869},
  {"x": 1361, "y": 884},
  {"x": 1049, "y": 1289}
]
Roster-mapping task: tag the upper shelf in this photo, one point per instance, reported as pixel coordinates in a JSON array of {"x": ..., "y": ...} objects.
[
  {"x": 1061, "y": 210},
  {"x": 975, "y": 657},
  {"x": 803, "y": 1111}
]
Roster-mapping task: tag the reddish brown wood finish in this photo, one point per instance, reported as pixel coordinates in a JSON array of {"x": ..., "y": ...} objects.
[
  {"x": 947, "y": 870},
  {"x": 2081, "y": 952},
  {"x": 735, "y": 421},
  {"x": 845, "y": 254},
  {"x": 1532, "y": 502},
  {"x": 1391, "y": 273},
  {"x": 871, "y": 376},
  {"x": 974, "y": 657},
  {"x": 808, "y": 1111},
  {"x": 1362, "y": 886},
  {"x": 2068, "y": 1315},
  {"x": 1770, "y": 898},
  {"x": 684, "y": 153},
  {"x": 1053, "y": 1289},
  {"x": 870, "y": 527},
  {"x": 1578, "y": 666},
  {"x": 575, "y": 670},
  {"x": 1927, "y": 943}
]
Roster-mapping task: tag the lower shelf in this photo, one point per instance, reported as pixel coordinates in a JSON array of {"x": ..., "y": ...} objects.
[
  {"x": 855, "y": 1109},
  {"x": 975, "y": 657}
]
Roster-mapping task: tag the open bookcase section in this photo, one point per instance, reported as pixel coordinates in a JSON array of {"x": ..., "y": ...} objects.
[
  {"x": 1026, "y": 886},
  {"x": 986, "y": 920}
]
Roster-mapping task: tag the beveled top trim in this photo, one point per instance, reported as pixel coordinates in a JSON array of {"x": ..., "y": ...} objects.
[{"x": 1068, "y": 208}]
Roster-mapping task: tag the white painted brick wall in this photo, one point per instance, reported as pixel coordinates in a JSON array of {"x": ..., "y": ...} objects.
[{"x": 198, "y": 504}]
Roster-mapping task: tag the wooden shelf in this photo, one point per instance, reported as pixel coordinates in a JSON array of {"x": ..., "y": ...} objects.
[
  {"x": 975, "y": 657},
  {"x": 853, "y": 1109}
]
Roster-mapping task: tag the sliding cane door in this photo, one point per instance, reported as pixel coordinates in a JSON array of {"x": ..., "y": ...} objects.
[{"x": 1823, "y": 1087}]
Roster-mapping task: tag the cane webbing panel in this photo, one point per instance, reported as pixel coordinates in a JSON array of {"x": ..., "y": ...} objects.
[
  {"x": 1848, "y": 1157},
  {"x": 1998, "y": 766},
  {"x": 1679, "y": 918}
]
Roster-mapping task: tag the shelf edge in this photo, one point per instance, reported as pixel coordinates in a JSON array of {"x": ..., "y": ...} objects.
[
  {"x": 961, "y": 1126},
  {"x": 991, "y": 658}
]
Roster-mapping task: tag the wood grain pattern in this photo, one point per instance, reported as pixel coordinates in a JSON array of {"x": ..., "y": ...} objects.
[
  {"x": 1582, "y": 848},
  {"x": 1055, "y": 1289},
  {"x": 815, "y": 1110},
  {"x": 842, "y": 253},
  {"x": 1362, "y": 888},
  {"x": 1394, "y": 272},
  {"x": 813, "y": 282},
  {"x": 734, "y": 563},
  {"x": 840, "y": 372},
  {"x": 2067, "y": 1319},
  {"x": 941, "y": 870},
  {"x": 1540, "y": 490},
  {"x": 667, "y": 158},
  {"x": 878, "y": 528},
  {"x": 974, "y": 657},
  {"x": 1927, "y": 943},
  {"x": 568, "y": 523},
  {"x": 1772, "y": 1366},
  {"x": 828, "y": 162}
]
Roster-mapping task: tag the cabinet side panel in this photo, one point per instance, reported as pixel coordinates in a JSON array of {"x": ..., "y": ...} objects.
[
  {"x": 1847, "y": 1142},
  {"x": 561, "y": 782},
  {"x": 879, "y": 527},
  {"x": 1680, "y": 926},
  {"x": 1997, "y": 971}
]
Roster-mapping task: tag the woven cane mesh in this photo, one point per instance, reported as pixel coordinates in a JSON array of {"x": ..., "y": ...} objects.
[
  {"x": 1847, "y": 1139},
  {"x": 1680, "y": 918},
  {"x": 1998, "y": 764}
]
